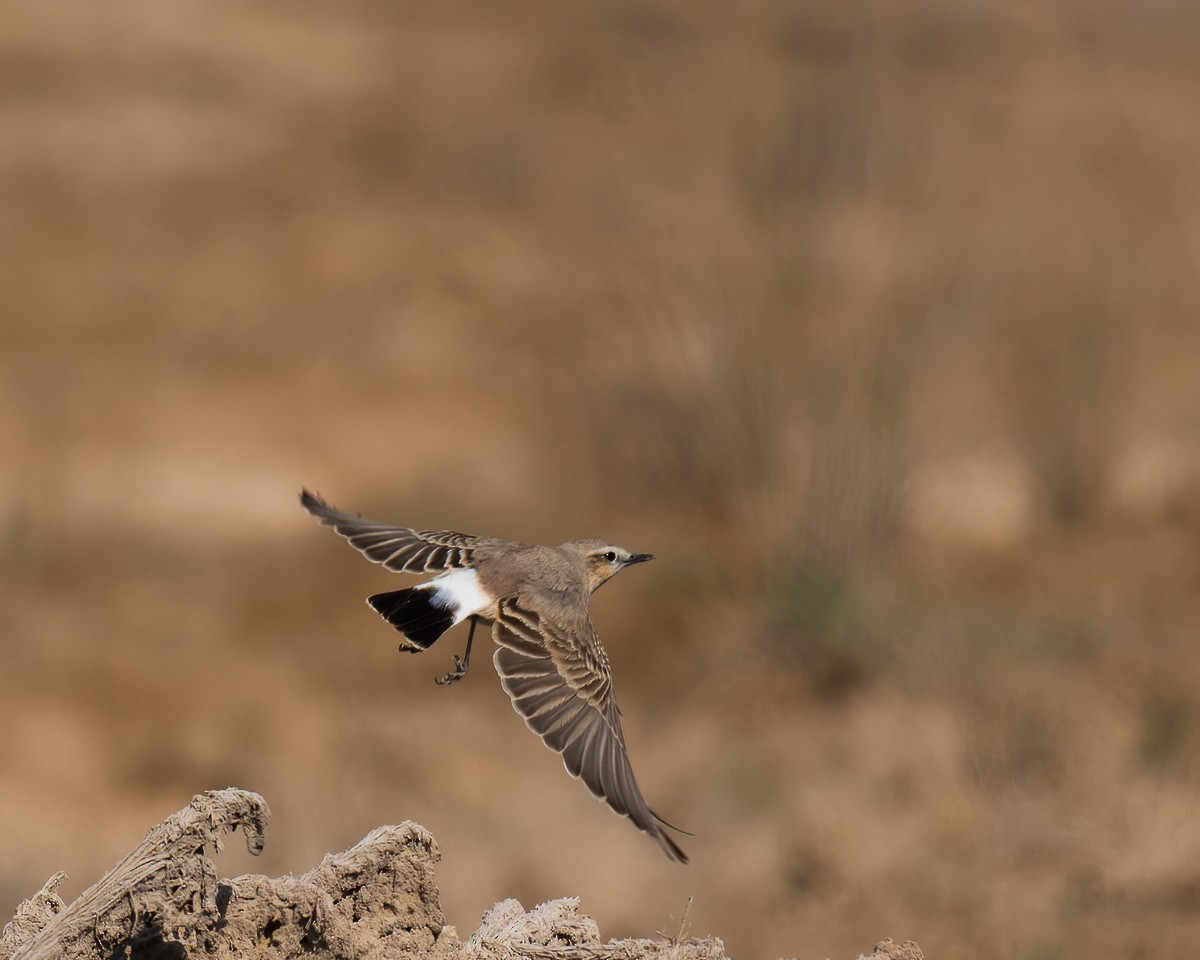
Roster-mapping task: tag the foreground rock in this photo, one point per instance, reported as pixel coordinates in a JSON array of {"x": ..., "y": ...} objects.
[{"x": 377, "y": 900}]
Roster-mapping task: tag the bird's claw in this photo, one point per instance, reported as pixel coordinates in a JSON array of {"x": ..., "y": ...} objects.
[{"x": 459, "y": 671}]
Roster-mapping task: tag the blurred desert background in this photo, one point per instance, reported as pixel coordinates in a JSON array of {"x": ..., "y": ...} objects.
[{"x": 878, "y": 324}]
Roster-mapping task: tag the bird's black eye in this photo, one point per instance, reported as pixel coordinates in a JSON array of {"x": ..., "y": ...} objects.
[{"x": 610, "y": 557}]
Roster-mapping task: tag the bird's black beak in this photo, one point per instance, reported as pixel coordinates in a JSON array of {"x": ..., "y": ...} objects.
[{"x": 639, "y": 558}]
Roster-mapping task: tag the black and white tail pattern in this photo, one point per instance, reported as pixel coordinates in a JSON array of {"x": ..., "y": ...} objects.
[{"x": 415, "y": 614}]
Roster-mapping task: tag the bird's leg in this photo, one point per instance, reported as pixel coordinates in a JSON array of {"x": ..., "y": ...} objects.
[{"x": 460, "y": 664}]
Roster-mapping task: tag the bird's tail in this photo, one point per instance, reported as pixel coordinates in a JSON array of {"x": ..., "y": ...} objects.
[{"x": 414, "y": 614}]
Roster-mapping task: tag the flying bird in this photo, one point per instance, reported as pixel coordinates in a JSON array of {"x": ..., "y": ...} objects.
[{"x": 550, "y": 661}]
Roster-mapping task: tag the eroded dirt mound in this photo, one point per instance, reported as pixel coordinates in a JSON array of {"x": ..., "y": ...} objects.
[{"x": 377, "y": 900}]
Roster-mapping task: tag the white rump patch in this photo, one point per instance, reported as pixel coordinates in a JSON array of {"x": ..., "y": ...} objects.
[{"x": 460, "y": 591}]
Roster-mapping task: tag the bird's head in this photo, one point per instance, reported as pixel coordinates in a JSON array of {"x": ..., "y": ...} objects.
[{"x": 603, "y": 561}]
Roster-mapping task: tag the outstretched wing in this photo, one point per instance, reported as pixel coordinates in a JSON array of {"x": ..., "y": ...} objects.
[
  {"x": 559, "y": 682},
  {"x": 397, "y": 548}
]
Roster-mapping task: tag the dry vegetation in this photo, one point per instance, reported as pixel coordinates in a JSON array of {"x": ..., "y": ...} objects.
[{"x": 876, "y": 323}]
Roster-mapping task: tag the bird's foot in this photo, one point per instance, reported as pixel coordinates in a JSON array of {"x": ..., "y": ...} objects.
[{"x": 459, "y": 671}]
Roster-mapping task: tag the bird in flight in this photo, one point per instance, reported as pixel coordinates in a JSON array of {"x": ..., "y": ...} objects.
[{"x": 549, "y": 659}]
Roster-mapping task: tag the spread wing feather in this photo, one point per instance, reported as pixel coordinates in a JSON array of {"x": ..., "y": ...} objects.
[
  {"x": 396, "y": 548},
  {"x": 560, "y": 684}
]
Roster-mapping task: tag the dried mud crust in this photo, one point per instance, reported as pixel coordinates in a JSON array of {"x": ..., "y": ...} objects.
[{"x": 377, "y": 900}]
